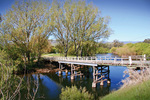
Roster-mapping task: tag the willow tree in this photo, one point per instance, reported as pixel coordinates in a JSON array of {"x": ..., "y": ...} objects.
[
  {"x": 27, "y": 27},
  {"x": 78, "y": 22},
  {"x": 63, "y": 20}
]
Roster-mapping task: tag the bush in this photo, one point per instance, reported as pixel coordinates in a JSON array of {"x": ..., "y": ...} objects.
[
  {"x": 102, "y": 50},
  {"x": 132, "y": 49},
  {"x": 75, "y": 94}
]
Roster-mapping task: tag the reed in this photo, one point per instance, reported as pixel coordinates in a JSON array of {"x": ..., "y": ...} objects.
[{"x": 136, "y": 77}]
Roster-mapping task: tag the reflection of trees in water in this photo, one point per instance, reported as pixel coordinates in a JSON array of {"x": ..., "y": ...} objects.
[
  {"x": 86, "y": 82},
  {"x": 10, "y": 85},
  {"x": 31, "y": 87},
  {"x": 14, "y": 87}
]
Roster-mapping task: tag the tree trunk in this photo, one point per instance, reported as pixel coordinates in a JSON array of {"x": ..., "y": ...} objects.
[
  {"x": 28, "y": 56},
  {"x": 66, "y": 51},
  {"x": 75, "y": 46},
  {"x": 76, "y": 50},
  {"x": 81, "y": 51}
]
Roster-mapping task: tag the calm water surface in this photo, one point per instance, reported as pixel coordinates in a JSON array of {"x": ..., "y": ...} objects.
[{"x": 50, "y": 84}]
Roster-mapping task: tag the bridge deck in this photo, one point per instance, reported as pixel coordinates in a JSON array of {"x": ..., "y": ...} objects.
[
  {"x": 78, "y": 63},
  {"x": 94, "y": 61}
]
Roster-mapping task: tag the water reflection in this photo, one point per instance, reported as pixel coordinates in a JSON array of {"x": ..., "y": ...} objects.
[{"x": 50, "y": 84}]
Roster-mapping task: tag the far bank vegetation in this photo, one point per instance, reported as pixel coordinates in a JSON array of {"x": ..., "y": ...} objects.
[{"x": 132, "y": 49}]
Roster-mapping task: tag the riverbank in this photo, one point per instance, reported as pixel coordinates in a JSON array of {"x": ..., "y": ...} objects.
[
  {"x": 139, "y": 91},
  {"x": 43, "y": 67}
]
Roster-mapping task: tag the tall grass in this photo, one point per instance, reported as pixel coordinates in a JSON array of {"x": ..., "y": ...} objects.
[
  {"x": 136, "y": 86},
  {"x": 136, "y": 77}
]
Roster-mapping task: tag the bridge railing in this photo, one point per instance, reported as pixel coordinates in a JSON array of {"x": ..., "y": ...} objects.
[
  {"x": 97, "y": 58},
  {"x": 140, "y": 59}
]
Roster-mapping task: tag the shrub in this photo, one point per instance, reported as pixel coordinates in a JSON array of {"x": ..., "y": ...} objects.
[
  {"x": 132, "y": 49},
  {"x": 75, "y": 94},
  {"x": 102, "y": 50}
]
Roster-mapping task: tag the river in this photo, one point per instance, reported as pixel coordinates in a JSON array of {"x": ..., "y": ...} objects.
[{"x": 50, "y": 85}]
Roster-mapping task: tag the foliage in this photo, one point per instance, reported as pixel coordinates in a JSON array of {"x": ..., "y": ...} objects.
[
  {"x": 77, "y": 23},
  {"x": 9, "y": 84},
  {"x": 25, "y": 29},
  {"x": 74, "y": 94},
  {"x": 50, "y": 48},
  {"x": 90, "y": 48},
  {"x": 59, "y": 48},
  {"x": 116, "y": 43},
  {"x": 113, "y": 50},
  {"x": 135, "y": 92},
  {"x": 140, "y": 47},
  {"x": 102, "y": 50},
  {"x": 132, "y": 49},
  {"x": 147, "y": 40},
  {"x": 136, "y": 87},
  {"x": 147, "y": 51}
]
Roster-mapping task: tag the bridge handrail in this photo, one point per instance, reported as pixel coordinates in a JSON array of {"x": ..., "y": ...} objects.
[
  {"x": 98, "y": 58},
  {"x": 104, "y": 59}
]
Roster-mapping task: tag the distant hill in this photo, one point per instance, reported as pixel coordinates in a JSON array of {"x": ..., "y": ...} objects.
[
  {"x": 125, "y": 42},
  {"x": 55, "y": 42}
]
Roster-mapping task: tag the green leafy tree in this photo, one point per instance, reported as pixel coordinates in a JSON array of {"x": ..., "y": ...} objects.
[
  {"x": 116, "y": 43},
  {"x": 147, "y": 40},
  {"x": 77, "y": 22},
  {"x": 140, "y": 47},
  {"x": 27, "y": 26}
]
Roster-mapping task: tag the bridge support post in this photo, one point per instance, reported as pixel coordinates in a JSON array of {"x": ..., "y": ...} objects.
[
  {"x": 59, "y": 69},
  {"x": 93, "y": 84},
  {"x": 72, "y": 72},
  {"x": 72, "y": 77},
  {"x": 59, "y": 72},
  {"x": 108, "y": 81},
  {"x": 94, "y": 80},
  {"x": 102, "y": 83},
  {"x": 66, "y": 72}
]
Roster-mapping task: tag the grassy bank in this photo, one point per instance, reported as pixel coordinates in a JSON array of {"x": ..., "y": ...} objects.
[
  {"x": 56, "y": 55},
  {"x": 140, "y": 91},
  {"x": 53, "y": 54}
]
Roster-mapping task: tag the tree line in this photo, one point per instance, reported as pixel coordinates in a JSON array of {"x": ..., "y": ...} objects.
[
  {"x": 27, "y": 25},
  {"x": 128, "y": 49}
]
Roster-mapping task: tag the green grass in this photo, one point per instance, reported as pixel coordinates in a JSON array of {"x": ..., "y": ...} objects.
[
  {"x": 53, "y": 54},
  {"x": 56, "y": 55},
  {"x": 139, "y": 91}
]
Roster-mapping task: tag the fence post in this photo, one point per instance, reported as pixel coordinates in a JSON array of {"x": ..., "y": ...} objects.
[
  {"x": 96, "y": 59},
  {"x": 115, "y": 60},
  {"x": 122, "y": 61},
  {"x": 144, "y": 57},
  {"x": 130, "y": 60}
]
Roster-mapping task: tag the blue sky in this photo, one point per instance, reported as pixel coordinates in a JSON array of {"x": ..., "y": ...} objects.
[{"x": 130, "y": 19}]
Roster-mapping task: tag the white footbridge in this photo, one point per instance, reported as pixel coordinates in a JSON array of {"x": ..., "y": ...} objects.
[{"x": 99, "y": 64}]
